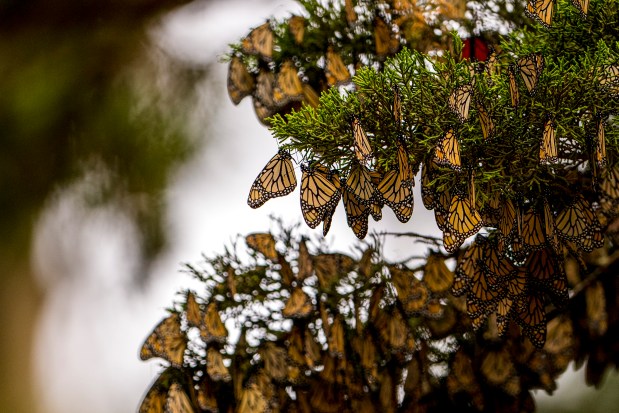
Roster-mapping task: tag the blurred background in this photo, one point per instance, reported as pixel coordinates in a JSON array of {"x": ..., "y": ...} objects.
[{"x": 123, "y": 158}]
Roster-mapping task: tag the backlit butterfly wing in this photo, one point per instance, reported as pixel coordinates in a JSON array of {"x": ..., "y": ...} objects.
[
  {"x": 335, "y": 69},
  {"x": 513, "y": 88},
  {"x": 385, "y": 41},
  {"x": 463, "y": 222},
  {"x": 541, "y": 10},
  {"x": 359, "y": 183},
  {"x": 263, "y": 243},
  {"x": 167, "y": 341},
  {"x": 548, "y": 152},
  {"x": 331, "y": 267},
  {"x": 320, "y": 193},
  {"x": 275, "y": 361},
  {"x": 403, "y": 166},
  {"x": 259, "y": 42},
  {"x": 276, "y": 179},
  {"x": 363, "y": 150},
  {"x": 296, "y": 25},
  {"x": 398, "y": 194},
  {"x": 575, "y": 219},
  {"x": 212, "y": 328},
  {"x": 178, "y": 401},
  {"x": 460, "y": 101},
  {"x": 448, "y": 151},
  {"x": 240, "y": 82},
  {"x": 298, "y": 305},
  {"x": 377, "y": 202},
  {"x": 215, "y": 367},
  {"x": 582, "y": 6},
  {"x": 310, "y": 97},
  {"x": 194, "y": 314},
  {"x": 288, "y": 86},
  {"x": 530, "y": 68},
  {"x": 487, "y": 125}
]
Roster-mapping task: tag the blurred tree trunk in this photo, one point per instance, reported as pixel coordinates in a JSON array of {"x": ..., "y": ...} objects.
[{"x": 60, "y": 107}]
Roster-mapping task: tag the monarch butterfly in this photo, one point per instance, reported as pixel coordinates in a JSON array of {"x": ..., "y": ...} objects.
[
  {"x": 212, "y": 328},
  {"x": 359, "y": 183},
  {"x": 597, "y": 315},
  {"x": 417, "y": 298},
  {"x": 487, "y": 125},
  {"x": 252, "y": 400},
  {"x": 576, "y": 219},
  {"x": 491, "y": 211},
  {"x": 259, "y": 42},
  {"x": 194, "y": 314},
  {"x": 262, "y": 110},
  {"x": 546, "y": 272},
  {"x": 403, "y": 165},
  {"x": 296, "y": 25},
  {"x": 178, "y": 401},
  {"x": 385, "y": 41},
  {"x": 377, "y": 203},
  {"x": 531, "y": 67},
  {"x": 167, "y": 341},
  {"x": 582, "y": 6},
  {"x": 276, "y": 179},
  {"x": 504, "y": 311},
  {"x": 460, "y": 101},
  {"x": 351, "y": 15},
  {"x": 513, "y": 87},
  {"x": 541, "y": 10},
  {"x": 467, "y": 265},
  {"x": 335, "y": 338},
  {"x": 363, "y": 150},
  {"x": 490, "y": 65},
  {"x": 288, "y": 86},
  {"x": 263, "y": 243},
  {"x": 330, "y": 267},
  {"x": 533, "y": 231},
  {"x": 298, "y": 305},
  {"x": 401, "y": 281},
  {"x": 310, "y": 96},
  {"x": 312, "y": 349},
  {"x": 600, "y": 144},
  {"x": 560, "y": 336},
  {"x": 609, "y": 78},
  {"x": 462, "y": 377},
  {"x": 398, "y": 194},
  {"x": 206, "y": 397},
  {"x": 356, "y": 213},
  {"x": 496, "y": 264},
  {"x": 447, "y": 151},
  {"x": 436, "y": 275},
  {"x": 304, "y": 262},
  {"x": 320, "y": 192},
  {"x": 443, "y": 325},
  {"x": 508, "y": 218},
  {"x": 335, "y": 69},
  {"x": 549, "y": 226},
  {"x": 327, "y": 219},
  {"x": 463, "y": 221},
  {"x": 285, "y": 271},
  {"x": 497, "y": 366},
  {"x": 392, "y": 329},
  {"x": 428, "y": 195},
  {"x": 215, "y": 367},
  {"x": 275, "y": 361},
  {"x": 531, "y": 315},
  {"x": 155, "y": 399},
  {"x": 548, "y": 148},
  {"x": 441, "y": 210},
  {"x": 397, "y": 106},
  {"x": 240, "y": 82}
]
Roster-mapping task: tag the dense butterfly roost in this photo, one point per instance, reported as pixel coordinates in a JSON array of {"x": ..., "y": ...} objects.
[
  {"x": 285, "y": 64},
  {"x": 537, "y": 167},
  {"x": 330, "y": 332}
]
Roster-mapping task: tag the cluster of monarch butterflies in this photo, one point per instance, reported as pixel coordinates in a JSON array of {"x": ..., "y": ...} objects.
[
  {"x": 279, "y": 85},
  {"x": 364, "y": 192},
  {"x": 364, "y": 335}
]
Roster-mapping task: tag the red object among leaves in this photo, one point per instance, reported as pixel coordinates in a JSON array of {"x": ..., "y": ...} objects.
[{"x": 475, "y": 48}]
